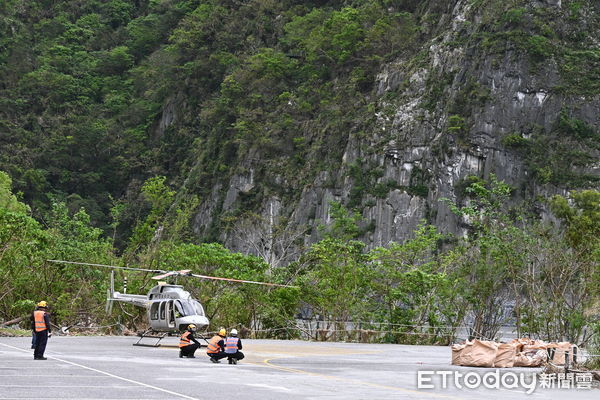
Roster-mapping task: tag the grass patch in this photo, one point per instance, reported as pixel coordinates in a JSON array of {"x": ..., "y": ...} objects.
[{"x": 11, "y": 332}]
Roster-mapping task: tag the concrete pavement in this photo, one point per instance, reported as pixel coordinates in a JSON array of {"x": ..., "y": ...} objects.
[{"x": 111, "y": 368}]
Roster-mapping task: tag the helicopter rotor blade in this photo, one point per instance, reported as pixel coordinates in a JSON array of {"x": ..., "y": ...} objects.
[
  {"x": 165, "y": 274},
  {"x": 238, "y": 280},
  {"x": 184, "y": 272},
  {"x": 162, "y": 276},
  {"x": 106, "y": 266}
]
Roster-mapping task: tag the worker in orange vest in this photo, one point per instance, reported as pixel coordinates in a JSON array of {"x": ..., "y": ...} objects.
[
  {"x": 40, "y": 324},
  {"x": 216, "y": 346},
  {"x": 186, "y": 348},
  {"x": 233, "y": 345}
]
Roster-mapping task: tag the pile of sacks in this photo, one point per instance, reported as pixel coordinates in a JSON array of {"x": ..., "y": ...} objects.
[{"x": 516, "y": 353}]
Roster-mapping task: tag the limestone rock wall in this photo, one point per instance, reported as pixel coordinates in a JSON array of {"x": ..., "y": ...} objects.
[{"x": 418, "y": 156}]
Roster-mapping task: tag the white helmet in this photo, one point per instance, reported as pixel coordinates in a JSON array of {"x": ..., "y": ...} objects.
[{"x": 233, "y": 332}]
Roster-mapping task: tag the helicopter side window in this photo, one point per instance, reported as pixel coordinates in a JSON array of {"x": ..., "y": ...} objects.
[
  {"x": 154, "y": 310},
  {"x": 178, "y": 309},
  {"x": 162, "y": 310}
]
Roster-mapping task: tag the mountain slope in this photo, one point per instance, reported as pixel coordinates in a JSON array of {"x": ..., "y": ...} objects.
[{"x": 269, "y": 110}]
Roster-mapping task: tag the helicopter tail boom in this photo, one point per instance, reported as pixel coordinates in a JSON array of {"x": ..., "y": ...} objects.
[
  {"x": 135, "y": 299},
  {"x": 112, "y": 296}
]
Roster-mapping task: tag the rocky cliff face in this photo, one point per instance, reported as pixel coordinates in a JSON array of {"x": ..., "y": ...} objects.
[{"x": 484, "y": 94}]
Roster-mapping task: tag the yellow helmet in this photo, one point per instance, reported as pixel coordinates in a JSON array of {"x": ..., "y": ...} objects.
[
  {"x": 192, "y": 327},
  {"x": 222, "y": 332},
  {"x": 42, "y": 304}
]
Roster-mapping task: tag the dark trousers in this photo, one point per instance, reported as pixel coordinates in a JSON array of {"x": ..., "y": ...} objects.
[
  {"x": 238, "y": 355},
  {"x": 33, "y": 340},
  {"x": 188, "y": 350},
  {"x": 41, "y": 338},
  {"x": 217, "y": 356}
]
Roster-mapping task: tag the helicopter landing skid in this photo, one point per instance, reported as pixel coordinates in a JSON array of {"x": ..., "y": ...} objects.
[{"x": 152, "y": 335}]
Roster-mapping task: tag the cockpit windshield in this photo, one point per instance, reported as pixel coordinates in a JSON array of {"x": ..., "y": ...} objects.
[{"x": 189, "y": 307}]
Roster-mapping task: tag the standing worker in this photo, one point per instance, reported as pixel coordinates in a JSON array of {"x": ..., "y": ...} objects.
[
  {"x": 186, "y": 348},
  {"x": 233, "y": 345},
  {"x": 40, "y": 324},
  {"x": 216, "y": 346}
]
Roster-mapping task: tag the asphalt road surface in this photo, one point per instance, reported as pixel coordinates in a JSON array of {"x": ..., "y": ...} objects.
[{"x": 111, "y": 368}]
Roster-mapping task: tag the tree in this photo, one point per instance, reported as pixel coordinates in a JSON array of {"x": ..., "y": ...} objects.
[
  {"x": 344, "y": 223},
  {"x": 335, "y": 283},
  {"x": 75, "y": 293},
  {"x": 575, "y": 279},
  {"x": 147, "y": 234},
  {"x": 272, "y": 239},
  {"x": 557, "y": 292},
  {"x": 22, "y": 242},
  {"x": 486, "y": 254},
  {"x": 417, "y": 296},
  {"x": 581, "y": 216},
  {"x": 8, "y": 201}
]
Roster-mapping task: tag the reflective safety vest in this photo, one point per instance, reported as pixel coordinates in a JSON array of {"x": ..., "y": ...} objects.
[
  {"x": 213, "y": 345},
  {"x": 231, "y": 345},
  {"x": 184, "y": 340},
  {"x": 40, "y": 324}
]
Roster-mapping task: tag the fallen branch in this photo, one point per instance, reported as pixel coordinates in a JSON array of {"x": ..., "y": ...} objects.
[{"x": 12, "y": 321}]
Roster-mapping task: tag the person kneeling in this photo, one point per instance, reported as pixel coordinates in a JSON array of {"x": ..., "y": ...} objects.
[
  {"x": 186, "y": 348},
  {"x": 216, "y": 345},
  {"x": 233, "y": 345}
]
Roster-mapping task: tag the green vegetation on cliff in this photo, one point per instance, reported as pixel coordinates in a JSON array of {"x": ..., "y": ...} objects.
[
  {"x": 99, "y": 96},
  {"x": 120, "y": 119}
]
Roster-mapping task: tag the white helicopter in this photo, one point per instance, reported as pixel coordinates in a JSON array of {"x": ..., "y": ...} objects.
[{"x": 170, "y": 308}]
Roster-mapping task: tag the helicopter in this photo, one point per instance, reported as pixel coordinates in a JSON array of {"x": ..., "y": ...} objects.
[{"x": 170, "y": 308}]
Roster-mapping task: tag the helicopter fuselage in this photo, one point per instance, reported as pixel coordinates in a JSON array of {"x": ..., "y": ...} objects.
[{"x": 170, "y": 308}]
